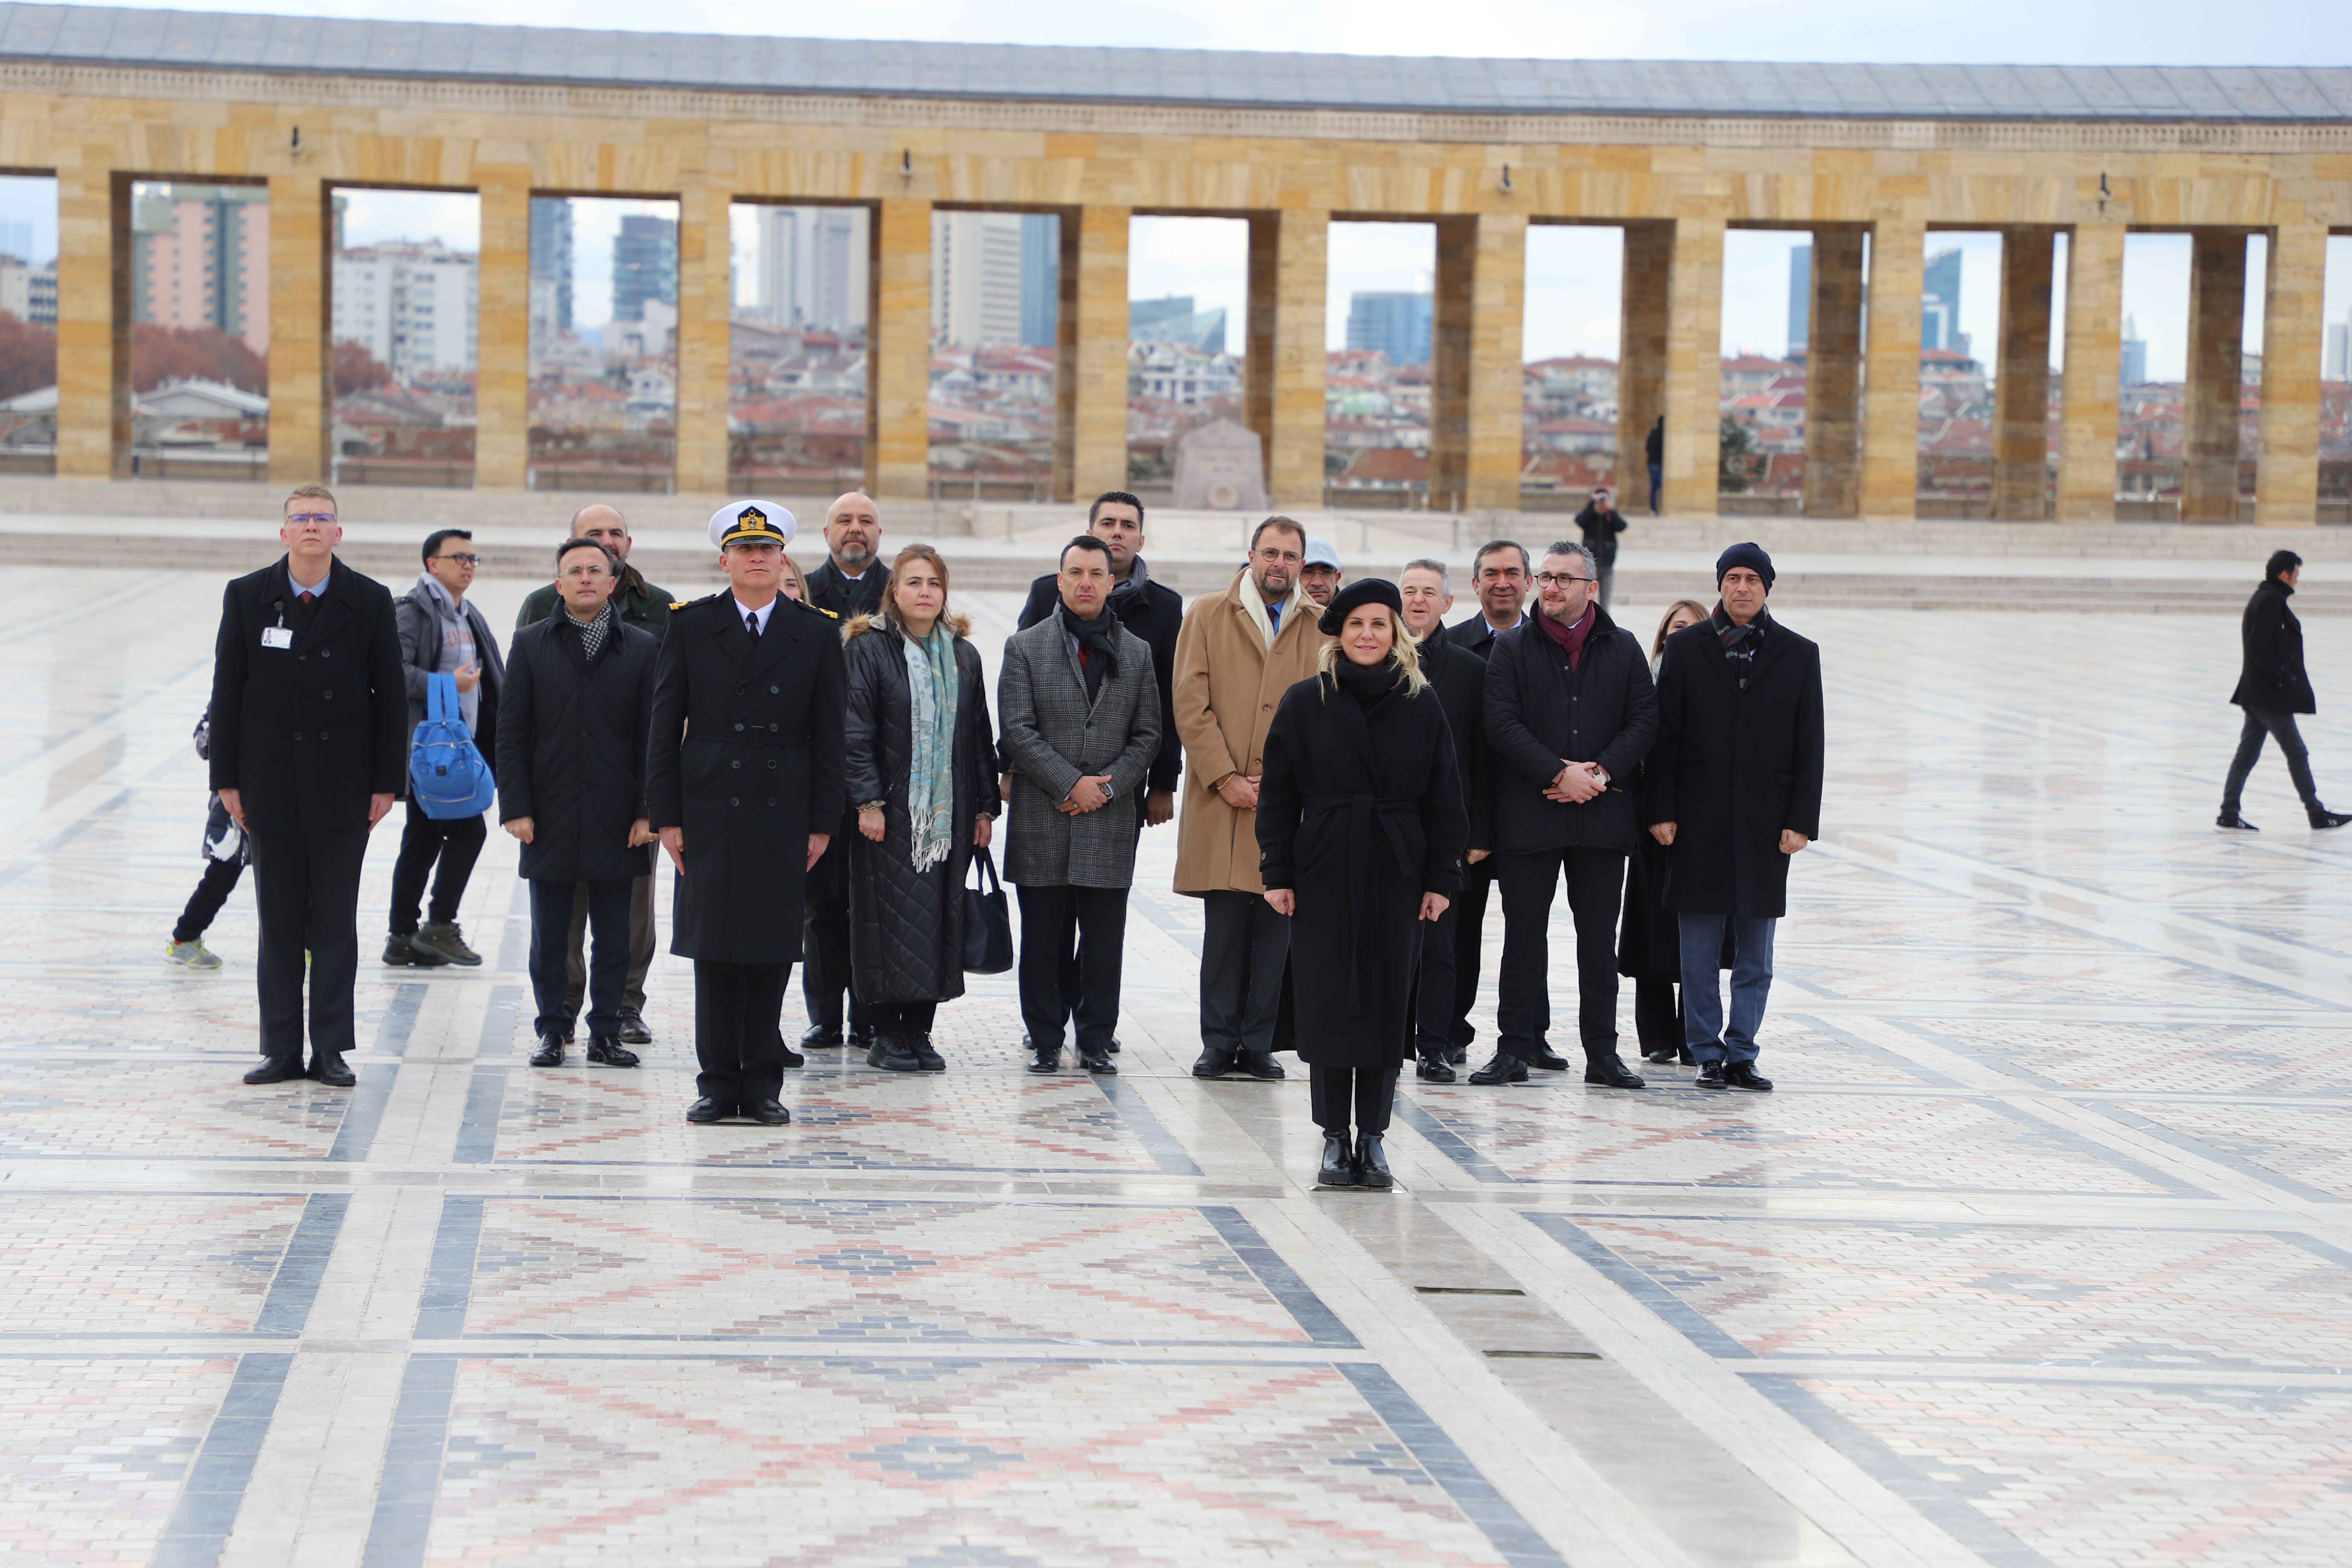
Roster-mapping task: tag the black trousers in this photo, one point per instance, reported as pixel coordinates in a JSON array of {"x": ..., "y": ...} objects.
[
  {"x": 455, "y": 844},
  {"x": 305, "y": 887},
  {"x": 556, "y": 911},
  {"x": 641, "y": 947},
  {"x": 1657, "y": 1016},
  {"x": 736, "y": 1006},
  {"x": 1470, "y": 924},
  {"x": 1053, "y": 919},
  {"x": 213, "y": 890},
  {"x": 1368, "y": 1094},
  {"x": 1072, "y": 969},
  {"x": 1244, "y": 949},
  {"x": 1434, "y": 1012},
  {"x": 826, "y": 981},
  {"x": 1596, "y": 893},
  {"x": 901, "y": 1017},
  {"x": 2260, "y": 723}
]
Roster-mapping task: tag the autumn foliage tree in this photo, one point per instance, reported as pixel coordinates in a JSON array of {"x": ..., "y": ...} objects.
[
  {"x": 29, "y": 356},
  {"x": 160, "y": 353},
  {"x": 356, "y": 370}
]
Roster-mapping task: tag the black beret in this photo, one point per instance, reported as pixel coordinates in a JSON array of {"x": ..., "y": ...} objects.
[{"x": 1364, "y": 591}]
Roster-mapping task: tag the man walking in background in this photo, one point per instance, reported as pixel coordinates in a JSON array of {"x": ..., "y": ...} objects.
[
  {"x": 440, "y": 634},
  {"x": 639, "y": 604},
  {"x": 2273, "y": 688},
  {"x": 1239, "y": 651},
  {"x": 1653, "y": 452},
  {"x": 1459, "y": 678},
  {"x": 851, "y": 582},
  {"x": 308, "y": 744},
  {"x": 1600, "y": 523}
]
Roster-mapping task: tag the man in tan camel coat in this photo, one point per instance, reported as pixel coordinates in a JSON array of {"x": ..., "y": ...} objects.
[{"x": 1238, "y": 652}]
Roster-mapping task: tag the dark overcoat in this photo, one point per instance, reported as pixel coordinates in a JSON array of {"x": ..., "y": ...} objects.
[
  {"x": 571, "y": 748},
  {"x": 309, "y": 731},
  {"x": 845, "y": 600},
  {"x": 1538, "y": 712},
  {"x": 2271, "y": 678},
  {"x": 1359, "y": 813},
  {"x": 1458, "y": 676},
  {"x": 1155, "y": 613},
  {"x": 743, "y": 753},
  {"x": 905, "y": 927},
  {"x": 1732, "y": 768}
]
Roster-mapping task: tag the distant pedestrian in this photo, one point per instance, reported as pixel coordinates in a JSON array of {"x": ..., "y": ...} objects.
[
  {"x": 2273, "y": 688},
  {"x": 224, "y": 858},
  {"x": 309, "y": 744},
  {"x": 1734, "y": 789},
  {"x": 1649, "y": 944},
  {"x": 1458, "y": 679},
  {"x": 440, "y": 634},
  {"x": 921, "y": 774},
  {"x": 572, "y": 720},
  {"x": 850, "y": 582},
  {"x": 1600, "y": 523},
  {"x": 1654, "y": 447},
  {"x": 1080, "y": 704}
]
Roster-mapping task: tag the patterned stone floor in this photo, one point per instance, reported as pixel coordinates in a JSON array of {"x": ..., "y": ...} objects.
[{"x": 2038, "y": 1257}]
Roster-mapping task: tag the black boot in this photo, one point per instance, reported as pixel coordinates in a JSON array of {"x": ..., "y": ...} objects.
[
  {"x": 893, "y": 1052},
  {"x": 1339, "y": 1163},
  {"x": 1372, "y": 1162},
  {"x": 1433, "y": 1068},
  {"x": 930, "y": 1060}
]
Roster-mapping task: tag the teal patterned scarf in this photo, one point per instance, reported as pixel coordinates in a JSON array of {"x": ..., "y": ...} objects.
[{"x": 935, "y": 685}]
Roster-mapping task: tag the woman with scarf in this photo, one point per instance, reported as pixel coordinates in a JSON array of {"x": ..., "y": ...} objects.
[
  {"x": 1360, "y": 831},
  {"x": 922, "y": 774}
]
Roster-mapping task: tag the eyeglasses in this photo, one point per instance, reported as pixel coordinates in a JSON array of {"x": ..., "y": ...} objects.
[
  {"x": 1558, "y": 580},
  {"x": 461, "y": 560},
  {"x": 587, "y": 569},
  {"x": 326, "y": 517}
]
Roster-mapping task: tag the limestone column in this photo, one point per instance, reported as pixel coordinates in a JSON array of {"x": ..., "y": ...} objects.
[
  {"x": 1090, "y": 372},
  {"x": 2217, "y": 326},
  {"x": 2021, "y": 436},
  {"x": 1283, "y": 389},
  {"x": 898, "y": 351},
  {"x": 1694, "y": 456},
  {"x": 1476, "y": 441},
  {"x": 2087, "y": 392},
  {"x": 502, "y": 332},
  {"x": 705, "y": 331},
  {"x": 1833, "y": 375},
  {"x": 1890, "y": 395},
  {"x": 93, "y": 319},
  {"x": 1641, "y": 354},
  {"x": 301, "y": 361},
  {"x": 2286, "y": 484}
]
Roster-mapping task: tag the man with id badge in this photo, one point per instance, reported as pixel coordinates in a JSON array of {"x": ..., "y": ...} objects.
[{"x": 309, "y": 737}]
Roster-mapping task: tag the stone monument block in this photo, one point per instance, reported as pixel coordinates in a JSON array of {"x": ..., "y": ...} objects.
[{"x": 1221, "y": 466}]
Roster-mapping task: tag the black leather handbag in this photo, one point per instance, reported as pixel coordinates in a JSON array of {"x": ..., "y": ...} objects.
[{"x": 987, "y": 922}]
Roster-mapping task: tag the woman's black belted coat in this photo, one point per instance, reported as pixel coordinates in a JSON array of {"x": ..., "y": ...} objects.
[{"x": 1359, "y": 813}]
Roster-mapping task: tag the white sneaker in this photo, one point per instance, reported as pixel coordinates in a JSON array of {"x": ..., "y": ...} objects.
[{"x": 190, "y": 955}]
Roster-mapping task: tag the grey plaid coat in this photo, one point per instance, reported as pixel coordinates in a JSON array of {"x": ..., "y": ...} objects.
[{"x": 1053, "y": 737}]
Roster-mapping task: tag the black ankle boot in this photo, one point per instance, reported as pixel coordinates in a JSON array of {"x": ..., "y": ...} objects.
[
  {"x": 1339, "y": 1164},
  {"x": 1372, "y": 1162}
]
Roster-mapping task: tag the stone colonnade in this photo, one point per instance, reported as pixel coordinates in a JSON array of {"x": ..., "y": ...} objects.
[{"x": 1675, "y": 187}]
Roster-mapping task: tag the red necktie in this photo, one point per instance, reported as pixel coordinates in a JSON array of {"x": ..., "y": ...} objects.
[{"x": 306, "y": 595}]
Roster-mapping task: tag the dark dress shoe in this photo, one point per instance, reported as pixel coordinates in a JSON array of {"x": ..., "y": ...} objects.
[
  {"x": 1113, "y": 1047},
  {"x": 768, "y": 1112},
  {"x": 1457, "y": 1055},
  {"x": 1613, "y": 1071},
  {"x": 276, "y": 1071},
  {"x": 550, "y": 1053},
  {"x": 1548, "y": 1059},
  {"x": 893, "y": 1053},
  {"x": 1096, "y": 1060},
  {"x": 931, "y": 1059},
  {"x": 632, "y": 1030},
  {"x": 819, "y": 1038},
  {"x": 327, "y": 1068},
  {"x": 1216, "y": 1062},
  {"x": 2228, "y": 821},
  {"x": 1503, "y": 1068},
  {"x": 1434, "y": 1068},
  {"x": 1047, "y": 1061},
  {"x": 792, "y": 1058},
  {"x": 1743, "y": 1075},
  {"x": 1662, "y": 1055},
  {"x": 706, "y": 1109},
  {"x": 1339, "y": 1164},
  {"x": 2322, "y": 820},
  {"x": 1372, "y": 1162},
  {"x": 1261, "y": 1064},
  {"x": 607, "y": 1051},
  {"x": 1710, "y": 1076}
]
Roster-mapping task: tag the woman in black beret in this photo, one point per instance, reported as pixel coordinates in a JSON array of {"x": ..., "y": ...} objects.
[{"x": 1361, "y": 830}]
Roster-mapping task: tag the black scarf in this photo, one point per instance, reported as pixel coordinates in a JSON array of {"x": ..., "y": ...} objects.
[
  {"x": 1371, "y": 685},
  {"x": 1740, "y": 643},
  {"x": 1097, "y": 645}
]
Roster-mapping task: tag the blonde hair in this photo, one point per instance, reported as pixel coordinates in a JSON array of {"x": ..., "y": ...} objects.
[
  {"x": 1402, "y": 653},
  {"x": 1658, "y": 643},
  {"x": 798, "y": 580},
  {"x": 306, "y": 492}
]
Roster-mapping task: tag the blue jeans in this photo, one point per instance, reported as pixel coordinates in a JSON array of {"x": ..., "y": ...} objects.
[
  {"x": 1751, "y": 983},
  {"x": 1657, "y": 486}
]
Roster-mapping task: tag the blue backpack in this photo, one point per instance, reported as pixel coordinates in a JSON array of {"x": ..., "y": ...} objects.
[{"x": 448, "y": 777}]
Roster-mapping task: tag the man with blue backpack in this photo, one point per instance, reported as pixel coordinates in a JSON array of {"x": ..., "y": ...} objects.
[{"x": 444, "y": 641}]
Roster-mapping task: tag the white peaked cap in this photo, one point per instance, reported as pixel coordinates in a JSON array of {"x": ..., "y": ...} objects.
[{"x": 752, "y": 519}]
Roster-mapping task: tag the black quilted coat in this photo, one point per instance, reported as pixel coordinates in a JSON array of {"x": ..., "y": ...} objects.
[
  {"x": 906, "y": 928},
  {"x": 571, "y": 748}
]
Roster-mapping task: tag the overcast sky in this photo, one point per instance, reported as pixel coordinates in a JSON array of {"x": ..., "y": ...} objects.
[{"x": 1572, "y": 273}]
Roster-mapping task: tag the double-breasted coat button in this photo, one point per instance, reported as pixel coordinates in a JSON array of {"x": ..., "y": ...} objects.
[
  {"x": 327, "y": 697},
  {"x": 738, "y": 729},
  {"x": 772, "y": 691},
  {"x": 772, "y": 800},
  {"x": 772, "y": 764},
  {"x": 773, "y": 728},
  {"x": 297, "y": 734},
  {"x": 736, "y": 763},
  {"x": 739, "y": 691},
  {"x": 732, "y": 801},
  {"x": 326, "y": 653}
]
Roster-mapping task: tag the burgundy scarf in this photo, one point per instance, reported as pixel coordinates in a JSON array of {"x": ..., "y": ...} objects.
[{"x": 1570, "y": 637}]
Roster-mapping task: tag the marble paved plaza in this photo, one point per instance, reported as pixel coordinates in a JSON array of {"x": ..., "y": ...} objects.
[{"x": 2041, "y": 1254}]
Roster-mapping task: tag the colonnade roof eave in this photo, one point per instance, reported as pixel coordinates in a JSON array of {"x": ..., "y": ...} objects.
[{"x": 122, "y": 36}]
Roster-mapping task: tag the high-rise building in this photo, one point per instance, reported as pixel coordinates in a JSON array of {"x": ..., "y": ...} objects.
[
  {"x": 2339, "y": 353},
  {"x": 1174, "y": 320},
  {"x": 2131, "y": 364},
  {"x": 15, "y": 288},
  {"x": 811, "y": 268},
  {"x": 1040, "y": 279},
  {"x": 1397, "y": 324},
  {"x": 645, "y": 265},
  {"x": 1939, "y": 303},
  {"x": 1801, "y": 298},
  {"x": 200, "y": 257},
  {"x": 551, "y": 261},
  {"x": 976, "y": 275},
  {"x": 412, "y": 306},
  {"x": 17, "y": 238},
  {"x": 41, "y": 296}
]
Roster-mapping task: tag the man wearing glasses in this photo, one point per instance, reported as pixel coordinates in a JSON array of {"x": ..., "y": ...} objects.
[
  {"x": 308, "y": 744},
  {"x": 440, "y": 634},
  {"x": 1570, "y": 713}
]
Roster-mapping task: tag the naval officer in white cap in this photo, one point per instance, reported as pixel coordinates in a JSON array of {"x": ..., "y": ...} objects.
[{"x": 743, "y": 787}]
